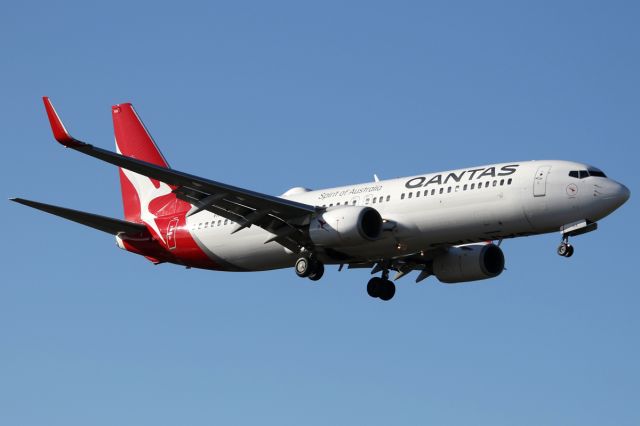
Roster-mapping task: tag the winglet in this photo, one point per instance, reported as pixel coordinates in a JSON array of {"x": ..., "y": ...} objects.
[{"x": 60, "y": 133}]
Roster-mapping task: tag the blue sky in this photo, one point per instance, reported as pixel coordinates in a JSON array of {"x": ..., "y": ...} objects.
[{"x": 270, "y": 95}]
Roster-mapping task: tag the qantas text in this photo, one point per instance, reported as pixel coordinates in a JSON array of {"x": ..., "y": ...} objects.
[{"x": 466, "y": 175}]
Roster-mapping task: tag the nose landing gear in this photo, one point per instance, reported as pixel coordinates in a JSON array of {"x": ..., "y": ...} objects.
[{"x": 571, "y": 230}]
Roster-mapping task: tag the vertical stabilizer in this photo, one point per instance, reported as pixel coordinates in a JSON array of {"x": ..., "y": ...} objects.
[{"x": 144, "y": 199}]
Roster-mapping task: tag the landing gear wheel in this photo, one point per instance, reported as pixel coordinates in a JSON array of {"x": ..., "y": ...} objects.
[
  {"x": 318, "y": 272},
  {"x": 309, "y": 267},
  {"x": 373, "y": 286},
  {"x": 381, "y": 288},
  {"x": 387, "y": 290},
  {"x": 570, "y": 251},
  {"x": 565, "y": 249},
  {"x": 303, "y": 267}
]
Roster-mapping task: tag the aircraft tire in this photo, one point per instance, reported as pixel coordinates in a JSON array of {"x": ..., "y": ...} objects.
[
  {"x": 303, "y": 267},
  {"x": 569, "y": 250},
  {"x": 563, "y": 249},
  {"x": 318, "y": 271},
  {"x": 387, "y": 290},
  {"x": 373, "y": 286}
]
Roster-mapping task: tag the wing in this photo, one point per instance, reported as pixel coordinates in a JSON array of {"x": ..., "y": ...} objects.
[
  {"x": 283, "y": 218},
  {"x": 102, "y": 223}
]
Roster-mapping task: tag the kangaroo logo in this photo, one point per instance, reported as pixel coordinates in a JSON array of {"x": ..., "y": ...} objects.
[{"x": 147, "y": 194}]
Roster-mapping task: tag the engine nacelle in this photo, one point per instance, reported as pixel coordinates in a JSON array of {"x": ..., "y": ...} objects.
[
  {"x": 469, "y": 263},
  {"x": 345, "y": 226}
]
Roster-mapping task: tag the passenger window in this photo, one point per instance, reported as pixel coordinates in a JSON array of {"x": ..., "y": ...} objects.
[
  {"x": 374, "y": 200},
  {"x": 473, "y": 186},
  {"x": 353, "y": 202},
  {"x": 402, "y": 196},
  {"x": 501, "y": 182},
  {"x": 509, "y": 181},
  {"x": 410, "y": 194},
  {"x": 426, "y": 192},
  {"x": 219, "y": 222},
  {"x": 226, "y": 221},
  {"x": 388, "y": 197},
  {"x": 486, "y": 184},
  {"x": 464, "y": 188},
  {"x": 417, "y": 194},
  {"x": 380, "y": 199},
  {"x": 457, "y": 188},
  {"x": 441, "y": 190},
  {"x": 433, "y": 191},
  {"x": 448, "y": 190},
  {"x": 495, "y": 182}
]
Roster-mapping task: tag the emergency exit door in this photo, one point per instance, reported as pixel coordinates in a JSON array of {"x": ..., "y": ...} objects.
[{"x": 540, "y": 181}]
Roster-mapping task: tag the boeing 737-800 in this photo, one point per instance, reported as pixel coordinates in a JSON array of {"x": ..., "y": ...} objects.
[{"x": 441, "y": 224}]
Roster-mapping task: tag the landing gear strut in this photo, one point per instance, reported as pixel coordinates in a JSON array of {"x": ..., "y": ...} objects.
[
  {"x": 308, "y": 267},
  {"x": 565, "y": 249},
  {"x": 382, "y": 288}
]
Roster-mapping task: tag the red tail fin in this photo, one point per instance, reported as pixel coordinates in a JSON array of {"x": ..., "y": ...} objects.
[
  {"x": 144, "y": 199},
  {"x": 132, "y": 137}
]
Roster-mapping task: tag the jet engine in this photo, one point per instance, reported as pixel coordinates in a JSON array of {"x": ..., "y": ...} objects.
[
  {"x": 469, "y": 263},
  {"x": 345, "y": 226}
]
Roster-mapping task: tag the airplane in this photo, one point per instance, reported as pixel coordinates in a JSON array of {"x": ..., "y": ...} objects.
[{"x": 442, "y": 224}]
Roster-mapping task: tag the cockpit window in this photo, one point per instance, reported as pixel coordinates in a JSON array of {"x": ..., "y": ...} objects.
[
  {"x": 597, "y": 173},
  {"x": 581, "y": 174}
]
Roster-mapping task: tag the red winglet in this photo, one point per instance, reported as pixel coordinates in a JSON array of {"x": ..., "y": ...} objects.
[{"x": 59, "y": 131}]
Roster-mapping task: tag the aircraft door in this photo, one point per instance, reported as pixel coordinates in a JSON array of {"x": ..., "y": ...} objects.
[{"x": 540, "y": 181}]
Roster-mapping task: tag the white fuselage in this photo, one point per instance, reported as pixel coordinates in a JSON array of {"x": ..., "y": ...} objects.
[{"x": 438, "y": 209}]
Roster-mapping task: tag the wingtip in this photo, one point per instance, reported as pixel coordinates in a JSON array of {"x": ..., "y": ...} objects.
[
  {"x": 60, "y": 133},
  {"x": 18, "y": 200}
]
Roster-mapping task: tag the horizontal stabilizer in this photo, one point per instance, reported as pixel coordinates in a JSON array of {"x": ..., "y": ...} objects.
[{"x": 102, "y": 223}]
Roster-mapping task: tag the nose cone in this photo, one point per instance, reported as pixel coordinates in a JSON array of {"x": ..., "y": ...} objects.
[
  {"x": 615, "y": 194},
  {"x": 608, "y": 195},
  {"x": 623, "y": 194}
]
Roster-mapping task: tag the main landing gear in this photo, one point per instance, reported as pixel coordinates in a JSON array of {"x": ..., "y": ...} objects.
[
  {"x": 308, "y": 267},
  {"x": 382, "y": 288},
  {"x": 565, "y": 249}
]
